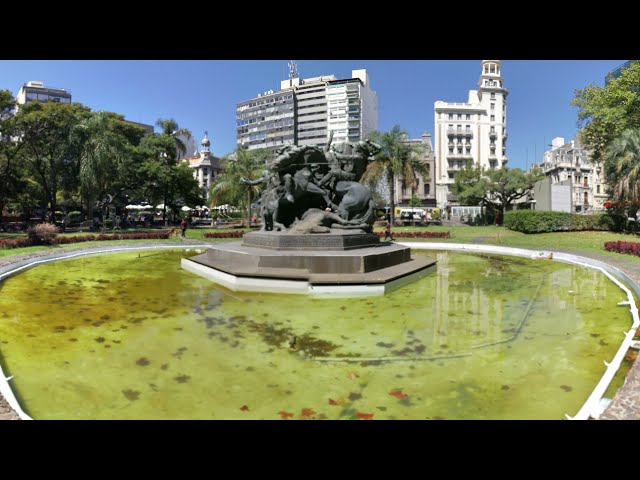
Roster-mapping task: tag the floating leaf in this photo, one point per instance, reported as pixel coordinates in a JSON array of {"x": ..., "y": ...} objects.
[
  {"x": 398, "y": 394},
  {"x": 353, "y": 376},
  {"x": 285, "y": 415},
  {"x": 244, "y": 408},
  {"x": 307, "y": 413},
  {"x": 333, "y": 402},
  {"x": 382, "y": 409},
  {"x": 364, "y": 416}
]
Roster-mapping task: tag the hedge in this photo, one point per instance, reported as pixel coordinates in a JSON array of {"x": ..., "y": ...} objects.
[
  {"x": 537, "y": 221},
  {"x": 28, "y": 242}
]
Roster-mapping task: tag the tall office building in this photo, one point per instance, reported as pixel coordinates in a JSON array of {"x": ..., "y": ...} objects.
[
  {"x": 475, "y": 130},
  {"x": 35, "y": 90},
  {"x": 305, "y": 111}
]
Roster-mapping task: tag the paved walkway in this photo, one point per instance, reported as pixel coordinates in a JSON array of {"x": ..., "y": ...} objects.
[{"x": 625, "y": 404}]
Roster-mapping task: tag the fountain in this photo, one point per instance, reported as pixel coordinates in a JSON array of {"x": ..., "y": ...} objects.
[{"x": 316, "y": 235}]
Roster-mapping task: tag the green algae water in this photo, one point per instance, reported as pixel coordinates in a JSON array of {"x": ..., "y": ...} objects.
[{"x": 132, "y": 336}]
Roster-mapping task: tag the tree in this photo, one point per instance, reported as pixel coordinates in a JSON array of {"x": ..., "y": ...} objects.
[
  {"x": 11, "y": 181},
  {"x": 242, "y": 163},
  {"x": 49, "y": 151},
  {"x": 395, "y": 159},
  {"x": 496, "y": 188},
  {"x": 606, "y": 112},
  {"x": 170, "y": 128},
  {"x": 103, "y": 153},
  {"x": 161, "y": 179},
  {"x": 624, "y": 155}
]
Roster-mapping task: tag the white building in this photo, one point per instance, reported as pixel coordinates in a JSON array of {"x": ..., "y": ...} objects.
[
  {"x": 473, "y": 131},
  {"x": 35, "y": 90},
  {"x": 305, "y": 111},
  {"x": 569, "y": 163},
  {"x": 424, "y": 185},
  {"x": 205, "y": 166}
]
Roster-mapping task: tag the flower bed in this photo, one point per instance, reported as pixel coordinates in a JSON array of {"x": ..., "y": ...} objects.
[
  {"x": 418, "y": 234},
  {"x": 237, "y": 234},
  {"x": 630, "y": 248},
  {"x": 27, "y": 242}
]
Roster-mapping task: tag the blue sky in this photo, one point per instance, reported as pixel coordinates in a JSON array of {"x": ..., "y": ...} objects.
[{"x": 202, "y": 94}]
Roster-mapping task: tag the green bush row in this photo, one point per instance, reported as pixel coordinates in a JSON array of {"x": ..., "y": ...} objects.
[{"x": 537, "y": 221}]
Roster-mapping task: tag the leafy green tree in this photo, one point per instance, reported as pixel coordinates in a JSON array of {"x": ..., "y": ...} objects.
[
  {"x": 11, "y": 180},
  {"x": 50, "y": 153},
  {"x": 605, "y": 112},
  {"x": 242, "y": 163},
  {"x": 103, "y": 151},
  {"x": 623, "y": 154},
  {"x": 395, "y": 159},
  {"x": 170, "y": 128},
  {"x": 496, "y": 188}
]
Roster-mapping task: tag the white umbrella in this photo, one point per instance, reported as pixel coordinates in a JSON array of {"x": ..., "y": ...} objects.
[
  {"x": 160, "y": 207},
  {"x": 185, "y": 209}
]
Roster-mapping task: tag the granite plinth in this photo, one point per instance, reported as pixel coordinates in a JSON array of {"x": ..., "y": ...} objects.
[
  {"x": 363, "y": 271},
  {"x": 335, "y": 240}
]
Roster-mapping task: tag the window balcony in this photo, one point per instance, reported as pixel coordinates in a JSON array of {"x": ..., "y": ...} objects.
[{"x": 493, "y": 135}]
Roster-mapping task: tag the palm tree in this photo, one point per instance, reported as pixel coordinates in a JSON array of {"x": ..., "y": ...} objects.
[
  {"x": 242, "y": 163},
  {"x": 624, "y": 154},
  {"x": 103, "y": 152},
  {"x": 395, "y": 159},
  {"x": 170, "y": 127}
]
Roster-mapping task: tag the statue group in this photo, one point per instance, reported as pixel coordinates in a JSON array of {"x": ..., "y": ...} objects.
[{"x": 311, "y": 190}]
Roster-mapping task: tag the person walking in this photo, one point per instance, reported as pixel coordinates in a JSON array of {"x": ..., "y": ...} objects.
[
  {"x": 387, "y": 232},
  {"x": 183, "y": 226}
]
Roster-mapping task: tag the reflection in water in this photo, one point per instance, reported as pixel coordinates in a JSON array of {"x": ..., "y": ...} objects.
[{"x": 131, "y": 335}]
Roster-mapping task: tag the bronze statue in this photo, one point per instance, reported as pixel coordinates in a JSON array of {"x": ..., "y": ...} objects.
[{"x": 310, "y": 190}]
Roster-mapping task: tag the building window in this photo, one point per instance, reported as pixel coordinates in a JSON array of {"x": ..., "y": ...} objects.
[
  {"x": 493, "y": 95},
  {"x": 450, "y": 149},
  {"x": 493, "y": 106},
  {"x": 451, "y": 116},
  {"x": 459, "y": 128},
  {"x": 468, "y": 116},
  {"x": 598, "y": 189},
  {"x": 459, "y": 116},
  {"x": 427, "y": 188},
  {"x": 493, "y": 118}
]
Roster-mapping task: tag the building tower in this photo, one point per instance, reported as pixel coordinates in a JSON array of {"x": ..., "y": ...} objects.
[{"x": 474, "y": 131}]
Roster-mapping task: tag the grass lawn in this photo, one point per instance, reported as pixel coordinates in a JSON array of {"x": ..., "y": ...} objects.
[{"x": 592, "y": 242}]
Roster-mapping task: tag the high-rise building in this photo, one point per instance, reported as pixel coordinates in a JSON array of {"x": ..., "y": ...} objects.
[
  {"x": 35, "y": 90},
  {"x": 474, "y": 131},
  {"x": 305, "y": 111}
]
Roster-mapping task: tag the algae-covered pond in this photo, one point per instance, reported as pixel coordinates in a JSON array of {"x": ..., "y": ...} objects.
[{"x": 132, "y": 336}]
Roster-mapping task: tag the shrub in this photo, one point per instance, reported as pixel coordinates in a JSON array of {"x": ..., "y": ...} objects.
[
  {"x": 43, "y": 232},
  {"x": 630, "y": 248},
  {"x": 538, "y": 221}
]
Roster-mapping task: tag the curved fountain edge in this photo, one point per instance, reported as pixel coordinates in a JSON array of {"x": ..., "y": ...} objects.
[
  {"x": 16, "y": 267},
  {"x": 592, "y": 406},
  {"x": 590, "y": 409}
]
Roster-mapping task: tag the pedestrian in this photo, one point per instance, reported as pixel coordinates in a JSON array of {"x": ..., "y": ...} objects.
[
  {"x": 387, "y": 232},
  {"x": 183, "y": 226}
]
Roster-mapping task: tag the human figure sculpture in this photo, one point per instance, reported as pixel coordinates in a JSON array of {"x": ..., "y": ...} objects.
[{"x": 307, "y": 178}]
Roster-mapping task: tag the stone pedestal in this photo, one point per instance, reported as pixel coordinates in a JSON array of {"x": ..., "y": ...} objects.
[{"x": 336, "y": 263}]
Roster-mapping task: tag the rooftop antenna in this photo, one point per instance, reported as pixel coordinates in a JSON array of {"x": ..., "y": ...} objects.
[{"x": 293, "y": 71}]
